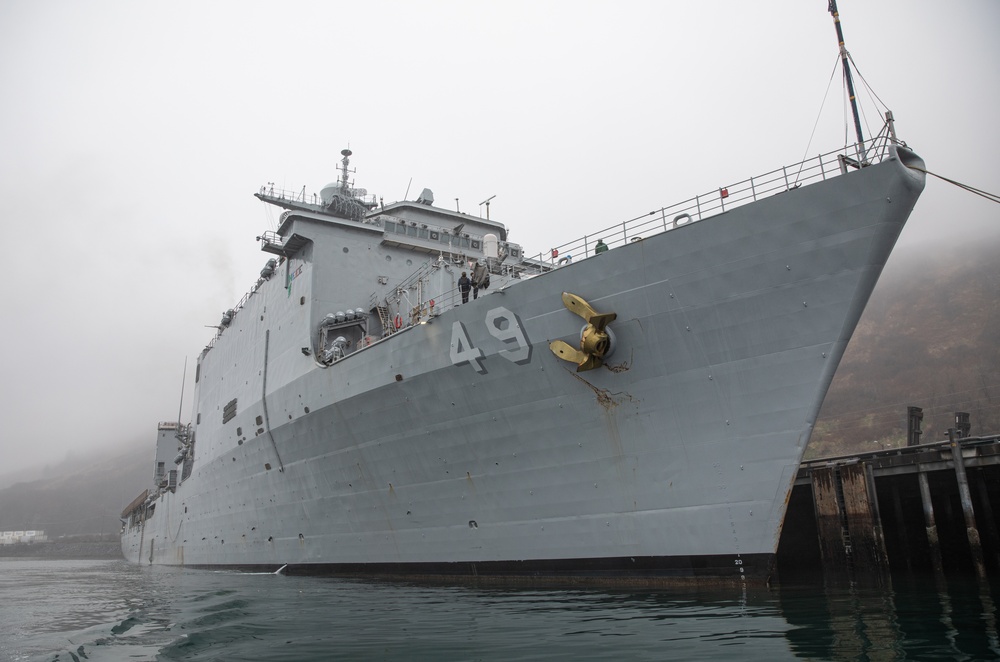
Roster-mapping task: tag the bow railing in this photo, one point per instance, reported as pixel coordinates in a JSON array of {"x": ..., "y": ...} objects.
[{"x": 787, "y": 178}]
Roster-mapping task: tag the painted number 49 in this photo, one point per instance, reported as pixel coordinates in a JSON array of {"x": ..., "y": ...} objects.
[{"x": 502, "y": 325}]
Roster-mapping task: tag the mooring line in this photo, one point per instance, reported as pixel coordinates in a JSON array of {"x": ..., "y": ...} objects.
[{"x": 989, "y": 196}]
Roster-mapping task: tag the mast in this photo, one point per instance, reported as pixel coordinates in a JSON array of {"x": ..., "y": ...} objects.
[
  {"x": 344, "y": 162},
  {"x": 180, "y": 407},
  {"x": 847, "y": 76}
]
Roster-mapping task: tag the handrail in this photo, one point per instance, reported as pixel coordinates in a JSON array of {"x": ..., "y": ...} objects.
[
  {"x": 664, "y": 219},
  {"x": 443, "y": 300},
  {"x": 718, "y": 201},
  {"x": 269, "y": 191}
]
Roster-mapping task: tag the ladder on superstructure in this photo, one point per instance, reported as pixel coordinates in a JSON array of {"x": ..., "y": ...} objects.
[{"x": 388, "y": 328}]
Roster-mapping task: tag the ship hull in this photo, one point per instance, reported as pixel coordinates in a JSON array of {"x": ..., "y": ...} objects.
[{"x": 465, "y": 448}]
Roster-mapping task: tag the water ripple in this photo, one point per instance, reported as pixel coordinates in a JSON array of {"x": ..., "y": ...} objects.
[{"x": 111, "y": 611}]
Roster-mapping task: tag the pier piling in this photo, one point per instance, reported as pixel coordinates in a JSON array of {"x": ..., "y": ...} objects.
[
  {"x": 933, "y": 542},
  {"x": 861, "y": 510},
  {"x": 835, "y": 546},
  {"x": 988, "y": 523},
  {"x": 975, "y": 544},
  {"x": 859, "y": 516}
]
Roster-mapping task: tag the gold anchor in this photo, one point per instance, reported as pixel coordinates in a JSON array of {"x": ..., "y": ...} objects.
[{"x": 594, "y": 341}]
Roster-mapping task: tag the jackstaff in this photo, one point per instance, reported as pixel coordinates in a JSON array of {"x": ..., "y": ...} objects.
[{"x": 844, "y": 57}]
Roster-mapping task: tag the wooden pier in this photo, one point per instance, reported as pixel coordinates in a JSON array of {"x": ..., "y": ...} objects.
[{"x": 925, "y": 507}]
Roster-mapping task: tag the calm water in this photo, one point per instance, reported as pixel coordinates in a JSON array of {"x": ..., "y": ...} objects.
[{"x": 109, "y": 610}]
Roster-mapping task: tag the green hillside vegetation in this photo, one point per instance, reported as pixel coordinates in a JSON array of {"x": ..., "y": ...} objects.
[{"x": 930, "y": 338}]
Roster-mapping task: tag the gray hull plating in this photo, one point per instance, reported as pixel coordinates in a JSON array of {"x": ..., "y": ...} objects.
[{"x": 466, "y": 441}]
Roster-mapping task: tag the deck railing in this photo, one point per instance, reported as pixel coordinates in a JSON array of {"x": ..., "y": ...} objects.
[
  {"x": 411, "y": 298},
  {"x": 718, "y": 201},
  {"x": 664, "y": 219},
  {"x": 302, "y": 196}
]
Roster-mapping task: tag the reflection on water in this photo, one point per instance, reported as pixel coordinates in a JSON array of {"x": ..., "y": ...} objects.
[
  {"x": 64, "y": 610},
  {"x": 913, "y": 618}
]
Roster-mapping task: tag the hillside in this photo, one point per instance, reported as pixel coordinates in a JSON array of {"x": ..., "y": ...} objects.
[
  {"x": 83, "y": 497},
  {"x": 930, "y": 337}
]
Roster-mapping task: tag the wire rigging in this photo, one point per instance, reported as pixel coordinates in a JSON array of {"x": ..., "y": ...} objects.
[
  {"x": 993, "y": 197},
  {"x": 818, "y": 116},
  {"x": 867, "y": 86},
  {"x": 847, "y": 112},
  {"x": 871, "y": 92}
]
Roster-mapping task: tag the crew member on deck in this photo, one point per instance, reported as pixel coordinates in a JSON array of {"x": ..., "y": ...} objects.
[
  {"x": 600, "y": 247},
  {"x": 464, "y": 285}
]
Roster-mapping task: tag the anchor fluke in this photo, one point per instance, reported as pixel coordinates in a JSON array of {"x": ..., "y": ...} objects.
[
  {"x": 595, "y": 340},
  {"x": 567, "y": 352}
]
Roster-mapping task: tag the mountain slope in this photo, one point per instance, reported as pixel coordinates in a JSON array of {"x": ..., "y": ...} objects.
[
  {"x": 930, "y": 337},
  {"x": 85, "y": 497}
]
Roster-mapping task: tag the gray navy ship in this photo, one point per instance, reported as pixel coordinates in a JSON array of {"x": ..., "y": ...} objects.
[{"x": 403, "y": 392}]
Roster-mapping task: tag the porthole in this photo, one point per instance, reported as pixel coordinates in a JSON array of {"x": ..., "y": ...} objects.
[
  {"x": 346, "y": 249},
  {"x": 388, "y": 258}
]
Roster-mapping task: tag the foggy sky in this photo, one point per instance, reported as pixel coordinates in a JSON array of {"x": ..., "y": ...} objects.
[{"x": 133, "y": 135}]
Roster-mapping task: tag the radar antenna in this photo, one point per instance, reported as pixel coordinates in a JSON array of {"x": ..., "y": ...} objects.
[{"x": 487, "y": 203}]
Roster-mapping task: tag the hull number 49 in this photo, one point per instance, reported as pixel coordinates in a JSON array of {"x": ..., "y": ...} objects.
[{"x": 505, "y": 327}]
